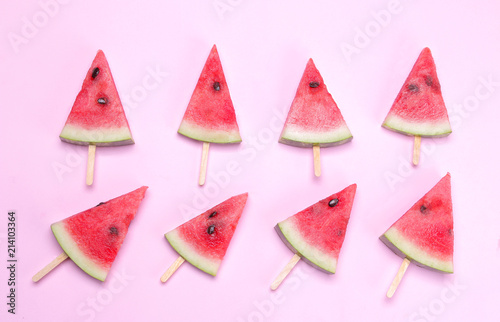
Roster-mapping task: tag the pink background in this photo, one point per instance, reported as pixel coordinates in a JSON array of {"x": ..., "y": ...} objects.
[{"x": 264, "y": 46}]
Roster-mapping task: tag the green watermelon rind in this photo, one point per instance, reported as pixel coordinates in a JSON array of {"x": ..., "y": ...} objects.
[
  {"x": 71, "y": 248},
  {"x": 315, "y": 257},
  {"x": 100, "y": 137},
  {"x": 403, "y": 247},
  {"x": 199, "y": 133},
  {"x": 425, "y": 129},
  {"x": 300, "y": 138},
  {"x": 190, "y": 254}
]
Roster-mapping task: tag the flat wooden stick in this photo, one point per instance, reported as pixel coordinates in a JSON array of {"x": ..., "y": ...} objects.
[
  {"x": 398, "y": 278},
  {"x": 416, "y": 149},
  {"x": 44, "y": 271},
  {"x": 284, "y": 273},
  {"x": 204, "y": 161},
  {"x": 90, "y": 165},
  {"x": 317, "y": 161},
  {"x": 171, "y": 270}
]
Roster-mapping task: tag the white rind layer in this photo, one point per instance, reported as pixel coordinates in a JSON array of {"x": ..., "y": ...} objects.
[
  {"x": 414, "y": 253},
  {"x": 293, "y": 136},
  {"x": 71, "y": 248},
  {"x": 100, "y": 137},
  {"x": 207, "y": 135},
  {"x": 190, "y": 254},
  {"x": 432, "y": 129},
  {"x": 306, "y": 250}
]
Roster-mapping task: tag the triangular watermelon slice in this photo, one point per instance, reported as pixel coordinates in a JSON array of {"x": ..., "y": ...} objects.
[
  {"x": 424, "y": 234},
  {"x": 314, "y": 118},
  {"x": 210, "y": 115},
  {"x": 92, "y": 238},
  {"x": 203, "y": 240},
  {"x": 316, "y": 233},
  {"x": 97, "y": 116},
  {"x": 419, "y": 107}
]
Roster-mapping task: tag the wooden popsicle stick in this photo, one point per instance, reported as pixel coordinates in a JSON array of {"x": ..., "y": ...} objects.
[
  {"x": 90, "y": 164},
  {"x": 171, "y": 270},
  {"x": 203, "y": 165},
  {"x": 416, "y": 149},
  {"x": 317, "y": 161},
  {"x": 284, "y": 273},
  {"x": 398, "y": 278},
  {"x": 44, "y": 271}
]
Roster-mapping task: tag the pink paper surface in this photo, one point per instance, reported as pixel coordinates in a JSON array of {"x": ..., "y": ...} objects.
[{"x": 156, "y": 50}]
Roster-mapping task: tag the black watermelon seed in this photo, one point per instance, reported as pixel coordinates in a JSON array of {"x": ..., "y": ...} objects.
[
  {"x": 113, "y": 230},
  {"x": 450, "y": 231},
  {"x": 339, "y": 232},
  {"x": 313, "y": 84},
  {"x": 102, "y": 100},
  {"x": 413, "y": 87},
  {"x": 423, "y": 209},
  {"x": 212, "y": 214},
  {"x": 95, "y": 72},
  {"x": 211, "y": 229},
  {"x": 100, "y": 203},
  {"x": 217, "y": 86},
  {"x": 333, "y": 202},
  {"x": 428, "y": 80}
]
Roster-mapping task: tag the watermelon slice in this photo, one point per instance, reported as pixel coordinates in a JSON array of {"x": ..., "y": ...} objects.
[
  {"x": 314, "y": 118},
  {"x": 97, "y": 116},
  {"x": 210, "y": 115},
  {"x": 419, "y": 107},
  {"x": 92, "y": 238},
  {"x": 316, "y": 233},
  {"x": 203, "y": 240},
  {"x": 424, "y": 234}
]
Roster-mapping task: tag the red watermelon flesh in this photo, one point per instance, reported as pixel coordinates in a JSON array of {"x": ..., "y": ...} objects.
[
  {"x": 317, "y": 232},
  {"x": 314, "y": 118},
  {"x": 97, "y": 116},
  {"x": 419, "y": 107},
  {"x": 203, "y": 240},
  {"x": 92, "y": 238},
  {"x": 210, "y": 115},
  {"x": 424, "y": 234}
]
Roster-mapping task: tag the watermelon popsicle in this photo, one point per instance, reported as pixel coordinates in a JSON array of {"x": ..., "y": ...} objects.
[
  {"x": 210, "y": 115},
  {"x": 97, "y": 117},
  {"x": 92, "y": 238},
  {"x": 419, "y": 108},
  {"x": 424, "y": 234},
  {"x": 314, "y": 120},
  {"x": 316, "y": 234},
  {"x": 203, "y": 240}
]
